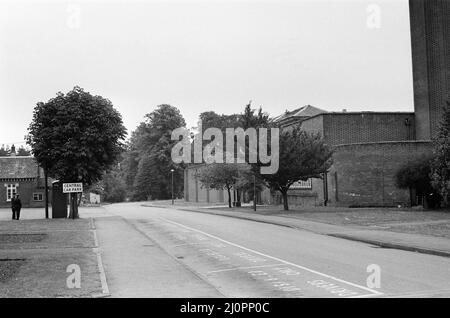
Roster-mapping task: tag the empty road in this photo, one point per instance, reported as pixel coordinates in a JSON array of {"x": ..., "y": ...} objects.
[{"x": 159, "y": 252}]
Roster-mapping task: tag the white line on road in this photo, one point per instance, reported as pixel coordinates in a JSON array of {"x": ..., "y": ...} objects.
[
  {"x": 247, "y": 267},
  {"x": 374, "y": 292}
]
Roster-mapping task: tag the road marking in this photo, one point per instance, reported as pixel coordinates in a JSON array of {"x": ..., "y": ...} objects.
[
  {"x": 240, "y": 268},
  {"x": 184, "y": 244},
  {"x": 374, "y": 292},
  {"x": 105, "y": 289}
]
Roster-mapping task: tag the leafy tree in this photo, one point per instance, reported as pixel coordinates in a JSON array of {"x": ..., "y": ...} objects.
[
  {"x": 220, "y": 177},
  {"x": 250, "y": 119},
  {"x": 22, "y": 151},
  {"x": 114, "y": 189},
  {"x": 4, "y": 152},
  {"x": 440, "y": 170},
  {"x": 76, "y": 137},
  {"x": 302, "y": 156},
  {"x": 416, "y": 175},
  {"x": 152, "y": 141}
]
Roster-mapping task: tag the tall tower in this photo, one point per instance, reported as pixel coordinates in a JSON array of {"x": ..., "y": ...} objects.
[{"x": 430, "y": 42}]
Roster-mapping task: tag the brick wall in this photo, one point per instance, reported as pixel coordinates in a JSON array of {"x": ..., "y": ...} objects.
[
  {"x": 363, "y": 174},
  {"x": 25, "y": 190}
]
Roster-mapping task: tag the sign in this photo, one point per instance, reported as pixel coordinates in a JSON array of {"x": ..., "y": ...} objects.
[
  {"x": 72, "y": 187},
  {"x": 302, "y": 185}
]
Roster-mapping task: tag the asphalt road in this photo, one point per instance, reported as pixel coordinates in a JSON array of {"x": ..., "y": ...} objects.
[{"x": 240, "y": 258}]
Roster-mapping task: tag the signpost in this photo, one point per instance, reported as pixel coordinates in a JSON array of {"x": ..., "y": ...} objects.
[{"x": 73, "y": 188}]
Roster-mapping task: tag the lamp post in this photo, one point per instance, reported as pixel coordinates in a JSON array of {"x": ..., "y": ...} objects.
[
  {"x": 171, "y": 170},
  {"x": 254, "y": 193}
]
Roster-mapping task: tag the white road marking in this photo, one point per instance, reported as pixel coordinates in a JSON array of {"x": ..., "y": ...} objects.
[
  {"x": 374, "y": 292},
  {"x": 185, "y": 244},
  {"x": 240, "y": 268},
  {"x": 105, "y": 289}
]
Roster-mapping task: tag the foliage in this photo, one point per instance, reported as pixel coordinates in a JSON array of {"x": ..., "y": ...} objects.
[
  {"x": 416, "y": 175},
  {"x": 302, "y": 156},
  {"x": 440, "y": 170},
  {"x": 220, "y": 176},
  {"x": 76, "y": 136},
  {"x": 147, "y": 163}
]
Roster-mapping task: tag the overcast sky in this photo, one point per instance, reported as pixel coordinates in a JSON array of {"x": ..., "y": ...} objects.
[{"x": 204, "y": 55}]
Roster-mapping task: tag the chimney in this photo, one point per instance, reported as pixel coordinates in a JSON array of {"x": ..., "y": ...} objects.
[{"x": 13, "y": 151}]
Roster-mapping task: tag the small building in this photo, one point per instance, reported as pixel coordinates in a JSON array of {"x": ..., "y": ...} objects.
[{"x": 21, "y": 175}]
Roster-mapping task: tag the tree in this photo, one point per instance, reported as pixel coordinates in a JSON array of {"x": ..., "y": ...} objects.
[
  {"x": 114, "y": 189},
  {"x": 76, "y": 137},
  {"x": 153, "y": 145},
  {"x": 302, "y": 156},
  {"x": 440, "y": 170},
  {"x": 415, "y": 175},
  {"x": 22, "y": 151},
  {"x": 4, "y": 152},
  {"x": 220, "y": 176}
]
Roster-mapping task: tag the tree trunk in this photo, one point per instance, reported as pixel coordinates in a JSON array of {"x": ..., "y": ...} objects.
[
  {"x": 411, "y": 197},
  {"x": 73, "y": 206},
  {"x": 285, "y": 200},
  {"x": 229, "y": 197}
]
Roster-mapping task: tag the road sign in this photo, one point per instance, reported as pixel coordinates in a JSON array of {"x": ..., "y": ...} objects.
[{"x": 72, "y": 187}]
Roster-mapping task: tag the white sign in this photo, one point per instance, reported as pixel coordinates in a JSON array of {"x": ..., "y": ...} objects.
[{"x": 72, "y": 187}]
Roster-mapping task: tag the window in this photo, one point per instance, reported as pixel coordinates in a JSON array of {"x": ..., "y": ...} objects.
[
  {"x": 302, "y": 185},
  {"x": 11, "y": 190},
  {"x": 38, "y": 197}
]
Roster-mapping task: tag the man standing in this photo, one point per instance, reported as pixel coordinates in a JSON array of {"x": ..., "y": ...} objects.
[
  {"x": 13, "y": 206},
  {"x": 18, "y": 207}
]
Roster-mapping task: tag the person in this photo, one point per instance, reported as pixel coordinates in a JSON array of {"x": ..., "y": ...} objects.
[
  {"x": 13, "y": 206},
  {"x": 16, "y": 206}
]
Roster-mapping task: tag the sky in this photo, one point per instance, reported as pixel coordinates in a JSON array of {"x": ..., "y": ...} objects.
[{"x": 204, "y": 55}]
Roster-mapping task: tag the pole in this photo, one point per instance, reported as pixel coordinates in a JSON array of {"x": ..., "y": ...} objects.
[
  {"x": 172, "y": 186},
  {"x": 254, "y": 193},
  {"x": 46, "y": 192}
]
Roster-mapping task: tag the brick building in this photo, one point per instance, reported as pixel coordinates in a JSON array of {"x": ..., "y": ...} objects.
[
  {"x": 21, "y": 175},
  {"x": 195, "y": 192},
  {"x": 430, "y": 44},
  {"x": 371, "y": 146}
]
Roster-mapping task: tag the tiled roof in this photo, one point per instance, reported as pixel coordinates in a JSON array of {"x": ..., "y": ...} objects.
[
  {"x": 304, "y": 111},
  {"x": 18, "y": 167}
]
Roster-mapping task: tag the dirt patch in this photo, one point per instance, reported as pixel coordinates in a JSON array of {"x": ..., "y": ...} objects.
[
  {"x": 9, "y": 268},
  {"x": 22, "y": 238}
]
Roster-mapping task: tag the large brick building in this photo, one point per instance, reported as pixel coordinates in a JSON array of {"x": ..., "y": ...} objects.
[
  {"x": 371, "y": 146},
  {"x": 21, "y": 175}
]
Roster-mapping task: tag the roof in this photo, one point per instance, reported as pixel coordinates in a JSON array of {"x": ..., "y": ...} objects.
[
  {"x": 304, "y": 111},
  {"x": 18, "y": 167}
]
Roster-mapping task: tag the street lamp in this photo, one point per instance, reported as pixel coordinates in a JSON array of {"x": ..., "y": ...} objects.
[
  {"x": 254, "y": 193},
  {"x": 171, "y": 170}
]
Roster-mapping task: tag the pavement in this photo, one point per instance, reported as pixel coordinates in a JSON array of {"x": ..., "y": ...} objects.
[{"x": 404, "y": 241}]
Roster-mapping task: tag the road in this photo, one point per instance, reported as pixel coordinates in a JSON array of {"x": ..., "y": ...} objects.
[{"x": 228, "y": 257}]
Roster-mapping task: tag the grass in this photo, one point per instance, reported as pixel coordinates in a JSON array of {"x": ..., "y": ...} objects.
[
  {"x": 35, "y": 254},
  {"x": 434, "y": 223}
]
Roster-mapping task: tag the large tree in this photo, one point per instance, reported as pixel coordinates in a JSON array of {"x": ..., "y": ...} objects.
[
  {"x": 152, "y": 161},
  {"x": 302, "y": 155},
  {"x": 440, "y": 170},
  {"x": 76, "y": 137}
]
